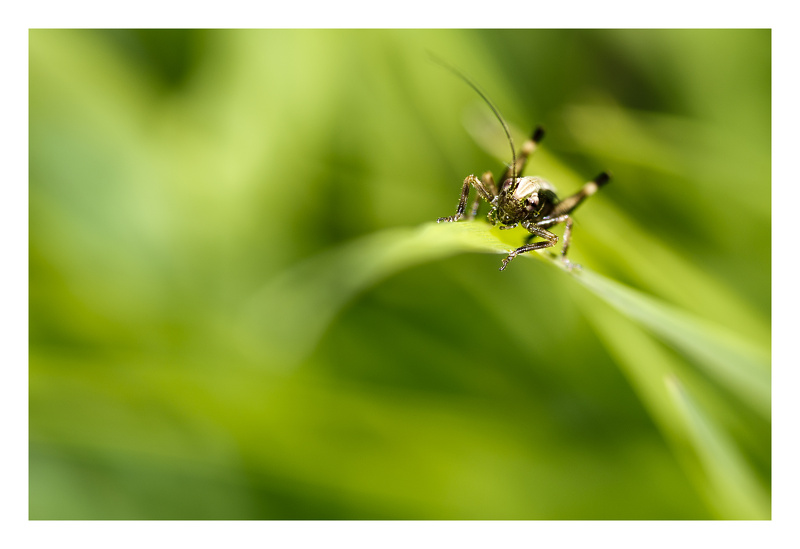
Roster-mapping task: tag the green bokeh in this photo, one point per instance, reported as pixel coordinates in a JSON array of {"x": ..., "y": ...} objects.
[{"x": 175, "y": 174}]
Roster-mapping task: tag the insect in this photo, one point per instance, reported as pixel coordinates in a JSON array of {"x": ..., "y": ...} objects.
[{"x": 528, "y": 201}]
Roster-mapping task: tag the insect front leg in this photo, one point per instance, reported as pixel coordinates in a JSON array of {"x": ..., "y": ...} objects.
[
  {"x": 462, "y": 202},
  {"x": 488, "y": 189},
  {"x": 550, "y": 240},
  {"x": 483, "y": 188}
]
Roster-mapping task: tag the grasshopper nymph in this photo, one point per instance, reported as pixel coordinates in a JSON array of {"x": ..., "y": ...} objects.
[{"x": 528, "y": 201}]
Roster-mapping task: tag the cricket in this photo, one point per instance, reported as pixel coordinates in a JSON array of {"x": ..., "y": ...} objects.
[{"x": 528, "y": 201}]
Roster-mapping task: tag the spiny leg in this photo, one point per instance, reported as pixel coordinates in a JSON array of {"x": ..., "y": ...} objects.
[
  {"x": 549, "y": 222},
  {"x": 490, "y": 189},
  {"x": 569, "y": 204},
  {"x": 567, "y": 263},
  {"x": 476, "y": 203},
  {"x": 487, "y": 179},
  {"x": 544, "y": 223},
  {"x": 483, "y": 192},
  {"x": 567, "y": 235},
  {"x": 562, "y": 210},
  {"x": 462, "y": 202},
  {"x": 550, "y": 240},
  {"x": 525, "y": 152}
]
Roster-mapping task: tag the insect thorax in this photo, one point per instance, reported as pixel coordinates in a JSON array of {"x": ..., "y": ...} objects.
[
  {"x": 531, "y": 186},
  {"x": 523, "y": 199}
]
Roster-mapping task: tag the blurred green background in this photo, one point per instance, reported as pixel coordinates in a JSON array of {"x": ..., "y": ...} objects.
[{"x": 175, "y": 176}]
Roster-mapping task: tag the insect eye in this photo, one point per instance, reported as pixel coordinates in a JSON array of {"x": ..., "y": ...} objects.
[{"x": 506, "y": 184}]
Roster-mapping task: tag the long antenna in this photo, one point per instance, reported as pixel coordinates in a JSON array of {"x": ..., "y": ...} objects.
[{"x": 474, "y": 86}]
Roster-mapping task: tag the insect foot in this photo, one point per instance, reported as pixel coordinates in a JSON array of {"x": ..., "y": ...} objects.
[
  {"x": 507, "y": 260},
  {"x": 570, "y": 266},
  {"x": 447, "y": 219}
]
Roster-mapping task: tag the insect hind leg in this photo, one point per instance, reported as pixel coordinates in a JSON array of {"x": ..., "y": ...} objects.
[
  {"x": 567, "y": 235},
  {"x": 569, "y": 204},
  {"x": 525, "y": 153}
]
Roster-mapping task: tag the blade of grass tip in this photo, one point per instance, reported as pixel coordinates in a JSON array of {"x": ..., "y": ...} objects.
[
  {"x": 732, "y": 360},
  {"x": 736, "y": 490},
  {"x": 288, "y": 316}
]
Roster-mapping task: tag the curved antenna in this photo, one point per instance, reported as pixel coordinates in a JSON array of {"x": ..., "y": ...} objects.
[{"x": 474, "y": 86}]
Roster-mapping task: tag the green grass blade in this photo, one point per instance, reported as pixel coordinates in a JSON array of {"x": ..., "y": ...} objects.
[
  {"x": 662, "y": 382},
  {"x": 735, "y": 489},
  {"x": 732, "y": 360},
  {"x": 289, "y": 314}
]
